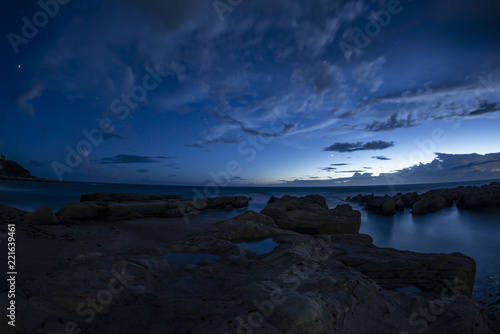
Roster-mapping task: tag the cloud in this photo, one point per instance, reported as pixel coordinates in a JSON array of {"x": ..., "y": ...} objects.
[
  {"x": 237, "y": 128},
  {"x": 23, "y": 101},
  {"x": 195, "y": 145},
  {"x": 381, "y": 157},
  {"x": 485, "y": 107},
  {"x": 132, "y": 159},
  {"x": 441, "y": 103},
  {"x": 107, "y": 136},
  {"x": 349, "y": 171},
  {"x": 221, "y": 141},
  {"x": 289, "y": 127},
  {"x": 451, "y": 167},
  {"x": 359, "y": 146},
  {"x": 142, "y": 170},
  {"x": 369, "y": 74},
  {"x": 474, "y": 164},
  {"x": 444, "y": 168},
  {"x": 321, "y": 77},
  {"x": 332, "y": 167},
  {"x": 175, "y": 15},
  {"x": 393, "y": 123}
]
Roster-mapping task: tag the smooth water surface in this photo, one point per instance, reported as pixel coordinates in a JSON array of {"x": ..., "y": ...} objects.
[{"x": 259, "y": 247}]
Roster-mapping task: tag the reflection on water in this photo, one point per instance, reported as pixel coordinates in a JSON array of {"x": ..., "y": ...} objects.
[
  {"x": 451, "y": 230},
  {"x": 259, "y": 247}
]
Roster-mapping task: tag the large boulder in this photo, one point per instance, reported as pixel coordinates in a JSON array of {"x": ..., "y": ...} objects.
[
  {"x": 43, "y": 216},
  {"x": 409, "y": 199},
  {"x": 384, "y": 206},
  {"x": 428, "y": 204},
  {"x": 310, "y": 215}
]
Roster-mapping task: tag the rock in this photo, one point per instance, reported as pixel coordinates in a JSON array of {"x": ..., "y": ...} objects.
[
  {"x": 222, "y": 202},
  {"x": 82, "y": 211},
  {"x": 469, "y": 198},
  {"x": 249, "y": 225},
  {"x": 320, "y": 200},
  {"x": 384, "y": 206},
  {"x": 409, "y": 199},
  {"x": 394, "y": 269},
  {"x": 137, "y": 289},
  {"x": 130, "y": 206},
  {"x": 309, "y": 215},
  {"x": 43, "y": 216},
  {"x": 400, "y": 205},
  {"x": 139, "y": 209},
  {"x": 480, "y": 198},
  {"x": 88, "y": 256},
  {"x": 428, "y": 204}
]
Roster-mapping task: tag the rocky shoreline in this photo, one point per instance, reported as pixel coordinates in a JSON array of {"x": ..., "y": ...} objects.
[
  {"x": 108, "y": 264},
  {"x": 486, "y": 197}
]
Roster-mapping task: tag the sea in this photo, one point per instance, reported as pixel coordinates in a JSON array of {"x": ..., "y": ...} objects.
[{"x": 475, "y": 234}]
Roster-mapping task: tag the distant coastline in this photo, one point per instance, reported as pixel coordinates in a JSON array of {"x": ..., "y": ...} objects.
[
  {"x": 235, "y": 186},
  {"x": 35, "y": 179}
]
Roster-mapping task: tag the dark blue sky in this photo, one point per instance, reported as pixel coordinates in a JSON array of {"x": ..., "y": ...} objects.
[{"x": 263, "y": 92}]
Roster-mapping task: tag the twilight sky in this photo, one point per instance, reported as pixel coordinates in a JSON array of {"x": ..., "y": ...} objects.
[{"x": 259, "y": 92}]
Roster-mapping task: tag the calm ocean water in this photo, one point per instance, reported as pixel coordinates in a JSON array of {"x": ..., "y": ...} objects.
[{"x": 474, "y": 234}]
